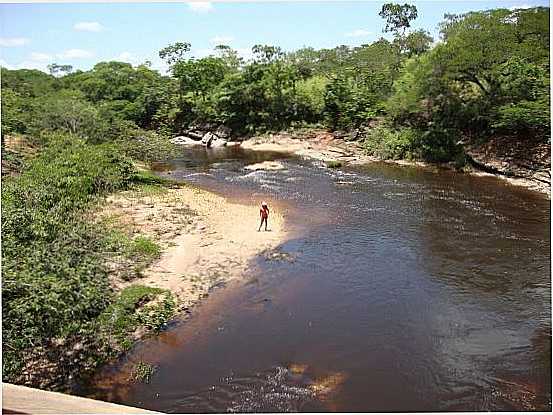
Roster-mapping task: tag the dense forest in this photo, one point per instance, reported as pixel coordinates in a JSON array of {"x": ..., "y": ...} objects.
[{"x": 410, "y": 97}]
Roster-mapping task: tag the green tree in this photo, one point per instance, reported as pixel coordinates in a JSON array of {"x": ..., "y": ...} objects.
[
  {"x": 174, "y": 53},
  {"x": 398, "y": 17}
]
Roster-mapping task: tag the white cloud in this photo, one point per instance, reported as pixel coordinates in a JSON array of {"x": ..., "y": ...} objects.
[
  {"x": 88, "y": 27},
  {"x": 522, "y": 6},
  {"x": 245, "y": 53},
  {"x": 159, "y": 65},
  {"x": 359, "y": 33},
  {"x": 41, "y": 66},
  {"x": 10, "y": 42},
  {"x": 221, "y": 40},
  {"x": 40, "y": 57},
  {"x": 200, "y": 6},
  {"x": 126, "y": 57},
  {"x": 5, "y": 64},
  {"x": 202, "y": 52},
  {"x": 75, "y": 54}
]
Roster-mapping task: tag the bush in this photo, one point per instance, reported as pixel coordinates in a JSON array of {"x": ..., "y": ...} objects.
[
  {"x": 54, "y": 280},
  {"x": 59, "y": 183},
  {"x": 434, "y": 144},
  {"x": 68, "y": 112},
  {"x": 130, "y": 310},
  {"x": 142, "y": 372},
  {"x": 523, "y": 116},
  {"x": 386, "y": 143},
  {"x": 146, "y": 145},
  {"x": 438, "y": 144}
]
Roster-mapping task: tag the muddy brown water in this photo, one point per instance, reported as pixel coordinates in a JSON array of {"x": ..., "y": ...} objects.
[{"x": 402, "y": 289}]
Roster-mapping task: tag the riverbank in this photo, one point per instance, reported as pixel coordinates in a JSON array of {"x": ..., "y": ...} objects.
[
  {"x": 206, "y": 240},
  {"x": 322, "y": 145}
]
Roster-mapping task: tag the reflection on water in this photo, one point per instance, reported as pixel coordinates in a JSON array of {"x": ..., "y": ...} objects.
[{"x": 409, "y": 290}]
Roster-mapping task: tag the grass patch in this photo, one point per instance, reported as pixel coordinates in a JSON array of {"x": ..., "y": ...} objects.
[
  {"x": 145, "y": 183},
  {"x": 145, "y": 247},
  {"x": 334, "y": 164},
  {"x": 136, "y": 306},
  {"x": 131, "y": 256},
  {"x": 142, "y": 372},
  {"x": 147, "y": 177}
]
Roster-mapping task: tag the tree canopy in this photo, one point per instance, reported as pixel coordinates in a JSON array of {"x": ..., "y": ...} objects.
[{"x": 487, "y": 74}]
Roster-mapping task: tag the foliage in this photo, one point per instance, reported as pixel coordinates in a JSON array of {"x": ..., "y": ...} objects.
[
  {"x": 489, "y": 74},
  {"x": 142, "y": 372},
  {"x": 14, "y": 112},
  {"x": 386, "y": 143},
  {"x": 174, "y": 53},
  {"x": 56, "y": 69},
  {"x": 136, "y": 306},
  {"x": 55, "y": 280},
  {"x": 333, "y": 164},
  {"x": 398, "y": 17},
  {"x": 146, "y": 145}
]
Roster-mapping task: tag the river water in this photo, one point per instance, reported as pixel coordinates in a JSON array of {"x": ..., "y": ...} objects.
[{"x": 401, "y": 289}]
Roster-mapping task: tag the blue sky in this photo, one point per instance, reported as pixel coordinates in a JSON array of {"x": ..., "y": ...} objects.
[{"x": 82, "y": 34}]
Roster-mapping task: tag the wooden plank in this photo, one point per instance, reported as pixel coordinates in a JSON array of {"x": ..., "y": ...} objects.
[{"x": 24, "y": 400}]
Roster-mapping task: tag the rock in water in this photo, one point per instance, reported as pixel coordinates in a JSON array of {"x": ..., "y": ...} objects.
[
  {"x": 223, "y": 132},
  {"x": 218, "y": 143},
  {"x": 208, "y": 138},
  {"x": 187, "y": 141}
]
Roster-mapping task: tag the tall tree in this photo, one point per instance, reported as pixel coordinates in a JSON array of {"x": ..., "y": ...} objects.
[
  {"x": 398, "y": 17},
  {"x": 174, "y": 53}
]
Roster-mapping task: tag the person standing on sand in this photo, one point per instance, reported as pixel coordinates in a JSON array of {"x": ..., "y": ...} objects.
[{"x": 264, "y": 213}]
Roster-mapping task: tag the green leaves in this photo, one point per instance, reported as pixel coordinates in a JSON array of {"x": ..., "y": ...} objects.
[
  {"x": 54, "y": 280},
  {"x": 174, "y": 53},
  {"x": 398, "y": 17},
  {"x": 490, "y": 75}
]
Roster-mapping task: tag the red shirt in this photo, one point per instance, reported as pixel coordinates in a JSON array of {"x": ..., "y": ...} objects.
[{"x": 264, "y": 212}]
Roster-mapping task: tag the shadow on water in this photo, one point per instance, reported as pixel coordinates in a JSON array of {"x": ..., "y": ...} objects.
[{"x": 405, "y": 289}]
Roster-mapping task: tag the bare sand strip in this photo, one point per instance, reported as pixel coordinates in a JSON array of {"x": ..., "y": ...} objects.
[{"x": 207, "y": 240}]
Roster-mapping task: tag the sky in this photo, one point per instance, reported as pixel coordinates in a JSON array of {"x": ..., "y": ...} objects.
[{"x": 83, "y": 34}]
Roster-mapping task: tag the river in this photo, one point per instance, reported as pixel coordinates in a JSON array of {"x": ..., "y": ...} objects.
[{"x": 402, "y": 289}]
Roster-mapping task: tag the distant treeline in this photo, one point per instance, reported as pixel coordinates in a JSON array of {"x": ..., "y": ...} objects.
[{"x": 488, "y": 74}]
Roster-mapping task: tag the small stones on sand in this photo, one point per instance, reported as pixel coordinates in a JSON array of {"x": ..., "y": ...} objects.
[{"x": 278, "y": 256}]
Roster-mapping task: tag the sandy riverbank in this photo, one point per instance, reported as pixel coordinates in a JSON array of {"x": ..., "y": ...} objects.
[{"x": 206, "y": 240}]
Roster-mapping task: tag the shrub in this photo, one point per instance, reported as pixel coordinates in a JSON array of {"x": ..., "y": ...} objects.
[
  {"x": 146, "y": 145},
  {"x": 386, "y": 143},
  {"x": 54, "y": 281},
  {"x": 438, "y": 144},
  {"x": 131, "y": 310},
  {"x": 333, "y": 164},
  {"x": 435, "y": 144},
  {"x": 533, "y": 116},
  {"x": 144, "y": 246},
  {"x": 142, "y": 372}
]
